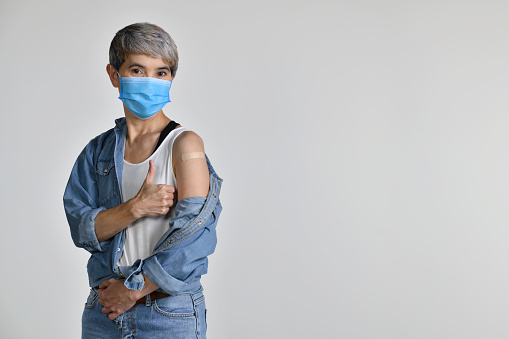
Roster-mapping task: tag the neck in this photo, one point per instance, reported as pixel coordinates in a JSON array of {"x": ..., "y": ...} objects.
[{"x": 137, "y": 127}]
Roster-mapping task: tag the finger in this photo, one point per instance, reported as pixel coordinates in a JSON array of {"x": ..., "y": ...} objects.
[
  {"x": 166, "y": 188},
  {"x": 104, "y": 302},
  {"x": 161, "y": 211},
  {"x": 151, "y": 172},
  {"x": 104, "y": 284},
  {"x": 107, "y": 309},
  {"x": 113, "y": 315},
  {"x": 169, "y": 202}
]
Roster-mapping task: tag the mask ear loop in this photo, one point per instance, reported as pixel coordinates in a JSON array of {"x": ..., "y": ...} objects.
[{"x": 120, "y": 84}]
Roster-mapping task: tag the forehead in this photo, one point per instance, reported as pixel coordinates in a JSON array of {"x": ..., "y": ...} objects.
[{"x": 142, "y": 60}]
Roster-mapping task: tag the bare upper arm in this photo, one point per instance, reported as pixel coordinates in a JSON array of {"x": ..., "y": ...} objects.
[{"x": 192, "y": 174}]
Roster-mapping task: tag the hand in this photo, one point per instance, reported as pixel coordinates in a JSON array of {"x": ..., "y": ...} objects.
[
  {"x": 153, "y": 200},
  {"x": 116, "y": 298}
]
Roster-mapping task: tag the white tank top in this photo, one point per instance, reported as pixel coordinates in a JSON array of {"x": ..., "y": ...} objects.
[{"x": 142, "y": 235}]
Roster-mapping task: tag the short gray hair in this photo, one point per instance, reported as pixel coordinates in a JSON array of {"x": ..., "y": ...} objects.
[{"x": 144, "y": 38}]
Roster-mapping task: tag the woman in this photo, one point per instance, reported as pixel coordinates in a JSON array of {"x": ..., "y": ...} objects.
[{"x": 147, "y": 254}]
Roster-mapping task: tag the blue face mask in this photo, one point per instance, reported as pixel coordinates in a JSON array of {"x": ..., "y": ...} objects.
[{"x": 144, "y": 96}]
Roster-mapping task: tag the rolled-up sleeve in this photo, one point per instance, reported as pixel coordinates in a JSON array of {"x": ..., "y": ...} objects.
[
  {"x": 80, "y": 202},
  {"x": 183, "y": 260}
]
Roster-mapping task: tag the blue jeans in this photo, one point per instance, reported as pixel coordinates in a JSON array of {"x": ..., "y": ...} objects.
[{"x": 179, "y": 317}]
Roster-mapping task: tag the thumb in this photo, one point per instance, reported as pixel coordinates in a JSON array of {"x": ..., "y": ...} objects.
[{"x": 151, "y": 172}]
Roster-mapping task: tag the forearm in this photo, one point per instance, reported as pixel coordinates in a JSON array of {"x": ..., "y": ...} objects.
[
  {"x": 117, "y": 298},
  {"x": 179, "y": 266},
  {"x": 151, "y": 201},
  {"x": 148, "y": 287},
  {"x": 112, "y": 221}
]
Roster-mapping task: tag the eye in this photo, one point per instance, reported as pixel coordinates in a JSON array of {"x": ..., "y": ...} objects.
[
  {"x": 161, "y": 74},
  {"x": 136, "y": 71}
]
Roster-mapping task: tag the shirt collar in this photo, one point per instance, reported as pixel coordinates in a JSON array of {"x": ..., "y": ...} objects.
[{"x": 120, "y": 123}]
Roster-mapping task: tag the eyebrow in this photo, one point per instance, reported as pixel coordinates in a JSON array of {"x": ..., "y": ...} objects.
[
  {"x": 136, "y": 65},
  {"x": 141, "y": 66}
]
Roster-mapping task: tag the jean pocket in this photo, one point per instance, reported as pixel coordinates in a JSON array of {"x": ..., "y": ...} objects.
[
  {"x": 92, "y": 299},
  {"x": 197, "y": 300},
  {"x": 175, "y": 307}
]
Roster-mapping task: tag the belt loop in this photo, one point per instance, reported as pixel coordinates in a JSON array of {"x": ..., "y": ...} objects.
[{"x": 147, "y": 300}]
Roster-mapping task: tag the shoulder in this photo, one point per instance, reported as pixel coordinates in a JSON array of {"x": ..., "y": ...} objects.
[
  {"x": 188, "y": 141},
  {"x": 107, "y": 139},
  {"x": 101, "y": 146}
]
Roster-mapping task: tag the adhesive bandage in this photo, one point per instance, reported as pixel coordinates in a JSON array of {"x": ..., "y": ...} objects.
[{"x": 193, "y": 155}]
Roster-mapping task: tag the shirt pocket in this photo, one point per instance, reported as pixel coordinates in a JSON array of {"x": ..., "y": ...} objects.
[{"x": 106, "y": 182}]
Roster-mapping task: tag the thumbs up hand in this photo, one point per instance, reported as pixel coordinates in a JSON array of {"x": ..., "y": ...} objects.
[{"x": 153, "y": 200}]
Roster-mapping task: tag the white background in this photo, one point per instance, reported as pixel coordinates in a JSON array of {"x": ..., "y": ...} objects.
[{"x": 363, "y": 147}]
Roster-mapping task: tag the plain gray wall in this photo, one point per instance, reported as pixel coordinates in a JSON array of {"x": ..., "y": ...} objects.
[{"x": 363, "y": 146}]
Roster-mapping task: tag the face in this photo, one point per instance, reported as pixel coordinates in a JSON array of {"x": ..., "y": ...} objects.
[{"x": 140, "y": 65}]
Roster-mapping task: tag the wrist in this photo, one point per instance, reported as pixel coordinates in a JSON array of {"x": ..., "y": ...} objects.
[
  {"x": 135, "y": 295},
  {"x": 134, "y": 209}
]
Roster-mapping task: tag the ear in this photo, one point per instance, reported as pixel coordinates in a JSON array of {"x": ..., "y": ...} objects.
[{"x": 112, "y": 73}]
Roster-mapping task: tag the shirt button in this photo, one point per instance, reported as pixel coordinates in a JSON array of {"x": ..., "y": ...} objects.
[
  {"x": 118, "y": 249},
  {"x": 118, "y": 149},
  {"x": 105, "y": 171}
]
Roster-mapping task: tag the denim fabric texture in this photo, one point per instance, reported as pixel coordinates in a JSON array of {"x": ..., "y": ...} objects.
[
  {"x": 180, "y": 257},
  {"x": 180, "y": 317}
]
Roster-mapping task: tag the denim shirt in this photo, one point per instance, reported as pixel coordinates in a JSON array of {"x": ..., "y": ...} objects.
[{"x": 179, "y": 258}]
